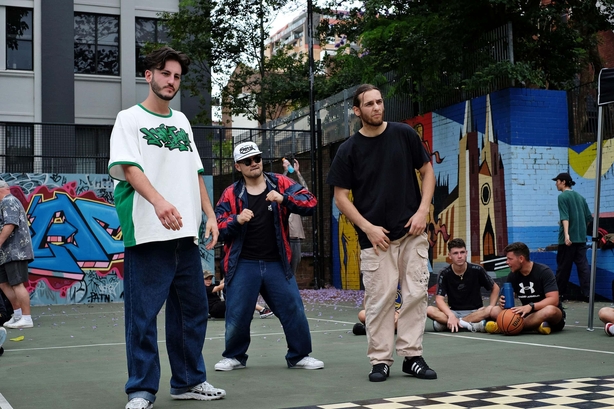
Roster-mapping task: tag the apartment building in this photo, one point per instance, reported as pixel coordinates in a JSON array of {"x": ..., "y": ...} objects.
[
  {"x": 295, "y": 35},
  {"x": 75, "y": 63}
]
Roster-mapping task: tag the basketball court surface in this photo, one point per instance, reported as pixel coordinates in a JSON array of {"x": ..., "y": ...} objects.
[{"x": 74, "y": 357}]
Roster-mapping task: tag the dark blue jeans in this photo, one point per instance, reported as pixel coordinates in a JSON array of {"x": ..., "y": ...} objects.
[
  {"x": 155, "y": 273},
  {"x": 280, "y": 294}
]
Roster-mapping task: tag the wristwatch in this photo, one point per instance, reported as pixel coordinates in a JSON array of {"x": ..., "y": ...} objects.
[{"x": 532, "y": 306}]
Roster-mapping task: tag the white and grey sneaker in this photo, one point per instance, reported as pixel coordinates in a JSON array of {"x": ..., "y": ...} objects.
[
  {"x": 437, "y": 327},
  {"x": 139, "y": 403},
  {"x": 203, "y": 391},
  {"x": 228, "y": 364},
  {"x": 2, "y": 336},
  {"x": 22, "y": 322},
  {"x": 11, "y": 321},
  {"x": 309, "y": 363},
  {"x": 478, "y": 326}
]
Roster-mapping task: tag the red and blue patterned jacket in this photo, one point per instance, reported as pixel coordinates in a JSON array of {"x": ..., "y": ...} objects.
[{"x": 297, "y": 199}]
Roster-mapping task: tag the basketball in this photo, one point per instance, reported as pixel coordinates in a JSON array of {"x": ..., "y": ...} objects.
[{"x": 510, "y": 323}]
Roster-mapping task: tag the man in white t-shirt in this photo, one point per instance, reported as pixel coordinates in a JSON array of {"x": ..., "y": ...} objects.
[{"x": 159, "y": 197}]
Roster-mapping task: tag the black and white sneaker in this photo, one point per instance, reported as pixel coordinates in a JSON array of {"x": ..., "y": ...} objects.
[
  {"x": 379, "y": 373},
  {"x": 415, "y": 366}
]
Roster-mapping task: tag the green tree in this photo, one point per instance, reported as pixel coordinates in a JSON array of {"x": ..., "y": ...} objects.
[
  {"x": 439, "y": 47},
  {"x": 229, "y": 37}
]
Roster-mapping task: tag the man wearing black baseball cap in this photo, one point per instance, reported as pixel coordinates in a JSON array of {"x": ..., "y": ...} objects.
[{"x": 574, "y": 218}]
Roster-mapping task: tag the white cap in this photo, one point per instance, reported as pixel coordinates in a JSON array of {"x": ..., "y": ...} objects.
[{"x": 245, "y": 150}]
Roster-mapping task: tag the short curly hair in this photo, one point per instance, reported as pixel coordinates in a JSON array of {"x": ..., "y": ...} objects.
[
  {"x": 456, "y": 244},
  {"x": 156, "y": 60}
]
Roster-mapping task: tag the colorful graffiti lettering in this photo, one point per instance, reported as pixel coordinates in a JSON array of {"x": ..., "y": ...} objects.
[
  {"x": 70, "y": 235},
  {"x": 77, "y": 239}
]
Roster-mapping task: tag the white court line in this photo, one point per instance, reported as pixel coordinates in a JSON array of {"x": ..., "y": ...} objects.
[
  {"x": 4, "y": 404},
  {"x": 521, "y": 343},
  {"x": 221, "y": 337}
]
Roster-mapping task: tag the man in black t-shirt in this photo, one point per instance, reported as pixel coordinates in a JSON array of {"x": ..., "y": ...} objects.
[
  {"x": 390, "y": 209},
  {"x": 535, "y": 286},
  {"x": 461, "y": 282}
]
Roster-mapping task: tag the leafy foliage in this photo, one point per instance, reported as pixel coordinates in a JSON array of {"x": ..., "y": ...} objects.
[
  {"x": 439, "y": 47},
  {"x": 229, "y": 36}
]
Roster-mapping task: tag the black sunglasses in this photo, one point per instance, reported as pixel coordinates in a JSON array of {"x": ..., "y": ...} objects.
[{"x": 248, "y": 161}]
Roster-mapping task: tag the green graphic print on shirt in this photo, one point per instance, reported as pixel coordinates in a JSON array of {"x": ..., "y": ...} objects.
[{"x": 168, "y": 137}]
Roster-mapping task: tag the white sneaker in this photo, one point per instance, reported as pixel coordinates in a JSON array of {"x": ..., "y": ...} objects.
[
  {"x": 22, "y": 322},
  {"x": 478, "y": 326},
  {"x": 309, "y": 363},
  {"x": 228, "y": 364},
  {"x": 437, "y": 327},
  {"x": 2, "y": 336},
  {"x": 139, "y": 403},
  {"x": 203, "y": 391},
  {"x": 11, "y": 321}
]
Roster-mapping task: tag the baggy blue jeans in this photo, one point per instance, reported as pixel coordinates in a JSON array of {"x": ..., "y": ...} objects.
[
  {"x": 155, "y": 273},
  {"x": 281, "y": 295}
]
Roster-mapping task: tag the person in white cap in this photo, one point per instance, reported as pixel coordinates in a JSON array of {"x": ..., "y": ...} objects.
[
  {"x": 159, "y": 197},
  {"x": 15, "y": 252},
  {"x": 252, "y": 216}
]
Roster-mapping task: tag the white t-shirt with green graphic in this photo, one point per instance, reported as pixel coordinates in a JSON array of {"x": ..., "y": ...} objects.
[{"x": 163, "y": 147}]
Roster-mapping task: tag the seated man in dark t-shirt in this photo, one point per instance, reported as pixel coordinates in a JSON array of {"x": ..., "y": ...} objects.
[
  {"x": 217, "y": 306},
  {"x": 461, "y": 282},
  {"x": 535, "y": 286}
]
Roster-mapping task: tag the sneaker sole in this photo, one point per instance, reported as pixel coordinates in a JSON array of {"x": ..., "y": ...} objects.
[
  {"x": 197, "y": 396},
  {"x": 380, "y": 378},
  {"x": 150, "y": 406},
  {"x": 307, "y": 367},
  {"x": 19, "y": 326},
  {"x": 226, "y": 369},
  {"x": 266, "y": 315}
]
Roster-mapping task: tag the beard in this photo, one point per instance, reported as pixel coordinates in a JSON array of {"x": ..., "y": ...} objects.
[
  {"x": 372, "y": 122},
  {"x": 158, "y": 91}
]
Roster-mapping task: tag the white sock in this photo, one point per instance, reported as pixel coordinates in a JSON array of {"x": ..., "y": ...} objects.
[
  {"x": 17, "y": 313},
  {"x": 465, "y": 324},
  {"x": 611, "y": 330}
]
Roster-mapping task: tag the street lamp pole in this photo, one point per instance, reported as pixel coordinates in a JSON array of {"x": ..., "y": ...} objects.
[{"x": 314, "y": 147}]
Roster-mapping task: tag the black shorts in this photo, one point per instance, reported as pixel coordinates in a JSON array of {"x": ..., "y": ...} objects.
[
  {"x": 559, "y": 325},
  {"x": 14, "y": 272}
]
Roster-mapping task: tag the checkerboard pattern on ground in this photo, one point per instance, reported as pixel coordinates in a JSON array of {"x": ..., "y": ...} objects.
[{"x": 578, "y": 393}]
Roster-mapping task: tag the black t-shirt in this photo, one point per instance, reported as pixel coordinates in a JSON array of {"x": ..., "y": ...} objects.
[
  {"x": 260, "y": 242},
  {"x": 212, "y": 298},
  {"x": 381, "y": 173},
  {"x": 464, "y": 292},
  {"x": 534, "y": 286}
]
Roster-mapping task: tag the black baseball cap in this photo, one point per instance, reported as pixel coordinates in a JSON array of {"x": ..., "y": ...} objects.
[{"x": 564, "y": 177}]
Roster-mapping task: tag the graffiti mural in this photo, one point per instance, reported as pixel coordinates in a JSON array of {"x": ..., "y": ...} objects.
[
  {"x": 494, "y": 158},
  {"x": 470, "y": 199},
  {"x": 76, "y": 236}
]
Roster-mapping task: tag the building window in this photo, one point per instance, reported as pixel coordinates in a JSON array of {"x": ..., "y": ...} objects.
[
  {"x": 147, "y": 30},
  {"x": 96, "y": 44},
  {"x": 19, "y": 53},
  {"x": 19, "y": 148},
  {"x": 92, "y": 148}
]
